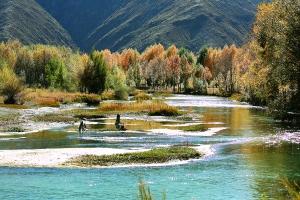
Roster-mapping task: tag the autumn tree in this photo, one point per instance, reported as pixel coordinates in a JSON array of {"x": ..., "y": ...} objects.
[
  {"x": 154, "y": 51},
  {"x": 134, "y": 75},
  {"x": 173, "y": 68},
  {"x": 10, "y": 84},
  {"x": 276, "y": 30},
  {"x": 129, "y": 57}
]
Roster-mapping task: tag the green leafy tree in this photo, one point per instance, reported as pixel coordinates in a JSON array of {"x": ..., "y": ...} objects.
[
  {"x": 202, "y": 56},
  {"x": 56, "y": 74},
  {"x": 95, "y": 74}
]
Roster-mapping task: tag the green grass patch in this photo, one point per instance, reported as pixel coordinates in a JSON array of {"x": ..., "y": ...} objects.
[{"x": 158, "y": 155}]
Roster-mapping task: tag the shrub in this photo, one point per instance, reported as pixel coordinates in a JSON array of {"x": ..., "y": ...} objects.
[
  {"x": 121, "y": 93},
  {"x": 90, "y": 100},
  {"x": 10, "y": 85},
  {"x": 162, "y": 109},
  {"x": 108, "y": 95},
  {"x": 142, "y": 96}
]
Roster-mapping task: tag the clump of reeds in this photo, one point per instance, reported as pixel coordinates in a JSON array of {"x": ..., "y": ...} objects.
[
  {"x": 145, "y": 192},
  {"x": 293, "y": 188}
]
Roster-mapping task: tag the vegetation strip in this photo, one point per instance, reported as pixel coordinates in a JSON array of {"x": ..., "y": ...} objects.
[
  {"x": 158, "y": 155},
  {"x": 153, "y": 108}
]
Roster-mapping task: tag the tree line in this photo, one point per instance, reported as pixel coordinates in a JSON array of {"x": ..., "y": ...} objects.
[{"x": 264, "y": 71}]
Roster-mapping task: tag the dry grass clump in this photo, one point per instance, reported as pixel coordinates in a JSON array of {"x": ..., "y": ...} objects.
[
  {"x": 142, "y": 96},
  {"x": 53, "y": 98},
  {"x": 156, "y": 108},
  {"x": 108, "y": 95}
]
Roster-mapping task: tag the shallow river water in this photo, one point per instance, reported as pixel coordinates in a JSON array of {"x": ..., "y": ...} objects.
[{"x": 249, "y": 154}]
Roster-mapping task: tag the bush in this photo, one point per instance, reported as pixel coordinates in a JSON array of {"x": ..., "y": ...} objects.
[
  {"x": 121, "y": 94},
  {"x": 142, "y": 96},
  {"x": 165, "y": 111},
  {"x": 90, "y": 100},
  {"x": 10, "y": 85},
  {"x": 108, "y": 95},
  {"x": 162, "y": 109}
]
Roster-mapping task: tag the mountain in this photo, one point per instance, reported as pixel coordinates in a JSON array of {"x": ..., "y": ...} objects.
[
  {"x": 81, "y": 17},
  {"x": 120, "y": 24},
  {"x": 27, "y": 21}
]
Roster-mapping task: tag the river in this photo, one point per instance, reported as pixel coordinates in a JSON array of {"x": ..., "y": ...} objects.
[{"x": 248, "y": 154}]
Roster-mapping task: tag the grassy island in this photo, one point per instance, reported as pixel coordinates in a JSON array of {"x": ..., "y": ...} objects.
[{"x": 158, "y": 155}]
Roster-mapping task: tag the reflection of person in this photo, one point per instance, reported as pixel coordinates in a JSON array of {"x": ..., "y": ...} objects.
[
  {"x": 118, "y": 124},
  {"x": 82, "y": 127}
]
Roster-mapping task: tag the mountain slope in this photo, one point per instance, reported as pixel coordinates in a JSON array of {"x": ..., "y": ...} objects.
[
  {"x": 27, "y": 21},
  {"x": 121, "y": 24},
  {"x": 190, "y": 23},
  {"x": 81, "y": 17}
]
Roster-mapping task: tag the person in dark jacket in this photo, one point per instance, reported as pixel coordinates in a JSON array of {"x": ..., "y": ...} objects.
[
  {"x": 118, "y": 124},
  {"x": 82, "y": 127}
]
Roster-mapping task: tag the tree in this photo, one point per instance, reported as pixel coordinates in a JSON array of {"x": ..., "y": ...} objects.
[
  {"x": 187, "y": 65},
  {"x": 202, "y": 56},
  {"x": 95, "y": 73},
  {"x": 173, "y": 68},
  {"x": 24, "y": 66},
  {"x": 154, "y": 51},
  {"x": 129, "y": 57},
  {"x": 56, "y": 74},
  {"x": 276, "y": 30},
  {"x": 134, "y": 75},
  {"x": 10, "y": 85}
]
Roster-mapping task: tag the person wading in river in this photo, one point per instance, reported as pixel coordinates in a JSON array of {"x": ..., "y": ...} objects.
[
  {"x": 82, "y": 127},
  {"x": 118, "y": 124}
]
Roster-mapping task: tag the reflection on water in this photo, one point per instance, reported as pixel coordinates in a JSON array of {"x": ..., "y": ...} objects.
[{"x": 251, "y": 154}]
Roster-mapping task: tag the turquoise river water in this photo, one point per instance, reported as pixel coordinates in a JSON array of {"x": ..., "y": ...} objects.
[{"x": 249, "y": 156}]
